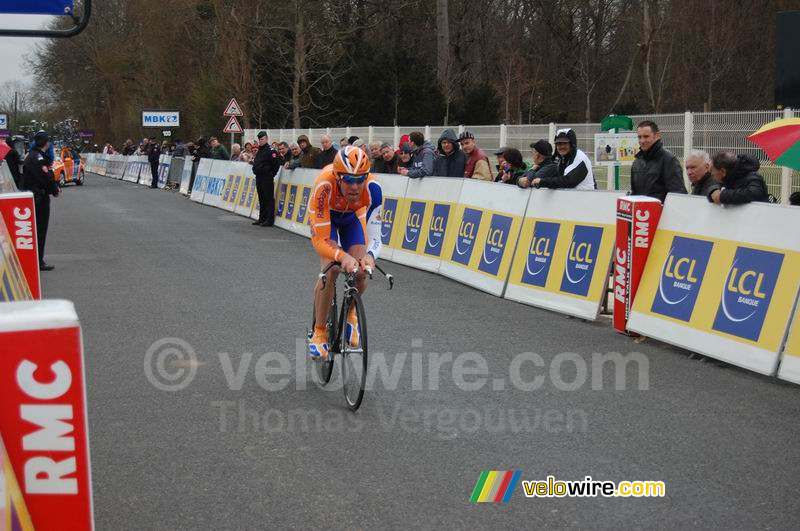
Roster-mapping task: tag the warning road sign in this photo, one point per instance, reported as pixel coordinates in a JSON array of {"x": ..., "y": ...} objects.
[
  {"x": 233, "y": 109},
  {"x": 233, "y": 126}
]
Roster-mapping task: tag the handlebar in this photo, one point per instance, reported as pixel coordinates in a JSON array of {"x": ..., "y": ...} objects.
[{"x": 324, "y": 279}]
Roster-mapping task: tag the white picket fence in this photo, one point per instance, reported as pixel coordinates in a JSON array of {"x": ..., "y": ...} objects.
[{"x": 681, "y": 133}]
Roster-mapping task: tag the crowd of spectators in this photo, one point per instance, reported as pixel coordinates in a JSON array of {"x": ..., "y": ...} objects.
[{"x": 725, "y": 178}]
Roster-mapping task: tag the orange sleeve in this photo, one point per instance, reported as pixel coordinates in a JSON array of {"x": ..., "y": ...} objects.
[{"x": 321, "y": 222}]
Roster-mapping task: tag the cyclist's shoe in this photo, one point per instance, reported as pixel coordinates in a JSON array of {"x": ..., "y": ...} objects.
[
  {"x": 353, "y": 335},
  {"x": 318, "y": 345}
]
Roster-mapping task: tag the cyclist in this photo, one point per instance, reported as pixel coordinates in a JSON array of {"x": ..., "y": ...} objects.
[{"x": 345, "y": 227}]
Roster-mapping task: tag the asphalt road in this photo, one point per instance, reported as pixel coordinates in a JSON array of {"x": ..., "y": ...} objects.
[{"x": 230, "y": 451}]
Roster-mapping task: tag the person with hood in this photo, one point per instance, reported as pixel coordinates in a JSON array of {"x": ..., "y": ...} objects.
[
  {"x": 656, "y": 171},
  {"x": 544, "y": 167},
  {"x": 37, "y": 177},
  {"x": 387, "y": 162},
  {"x": 13, "y": 160},
  {"x": 477, "y": 163},
  {"x": 451, "y": 160},
  {"x": 202, "y": 150},
  {"x": 310, "y": 153},
  {"x": 698, "y": 169},
  {"x": 739, "y": 180},
  {"x": 422, "y": 158},
  {"x": 514, "y": 166},
  {"x": 574, "y": 167},
  {"x": 328, "y": 152}
]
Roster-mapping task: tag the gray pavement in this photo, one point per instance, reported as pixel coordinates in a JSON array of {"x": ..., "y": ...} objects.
[{"x": 229, "y": 451}]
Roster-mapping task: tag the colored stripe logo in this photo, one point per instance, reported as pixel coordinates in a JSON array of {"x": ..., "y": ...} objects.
[{"x": 494, "y": 486}]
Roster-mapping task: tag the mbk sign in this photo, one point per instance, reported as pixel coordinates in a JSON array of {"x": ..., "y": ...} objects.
[{"x": 161, "y": 119}]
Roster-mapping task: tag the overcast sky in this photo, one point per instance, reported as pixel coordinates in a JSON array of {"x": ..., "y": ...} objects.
[{"x": 14, "y": 49}]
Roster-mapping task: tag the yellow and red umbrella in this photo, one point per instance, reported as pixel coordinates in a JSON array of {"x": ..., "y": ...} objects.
[{"x": 780, "y": 140}]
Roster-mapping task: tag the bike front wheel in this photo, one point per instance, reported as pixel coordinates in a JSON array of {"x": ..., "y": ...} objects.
[{"x": 354, "y": 357}]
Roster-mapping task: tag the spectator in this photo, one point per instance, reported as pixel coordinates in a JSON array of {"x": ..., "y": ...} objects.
[
  {"x": 739, "y": 179},
  {"x": 374, "y": 151},
  {"x": 477, "y": 163},
  {"x": 283, "y": 151},
  {"x": 343, "y": 142},
  {"x": 218, "y": 151},
  {"x": 153, "y": 156},
  {"x": 247, "y": 153},
  {"x": 180, "y": 149},
  {"x": 202, "y": 150},
  {"x": 499, "y": 166},
  {"x": 387, "y": 162},
  {"x": 128, "y": 148},
  {"x": 545, "y": 171},
  {"x": 274, "y": 146},
  {"x": 794, "y": 199},
  {"x": 265, "y": 166},
  {"x": 360, "y": 144},
  {"x": 404, "y": 157},
  {"x": 574, "y": 167},
  {"x": 108, "y": 149},
  {"x": 236, "y": 152},
  {"x": 351, "y": 141},
  {"x": 422, "y": 158},
  {"x": 13, "y": 160},
  {"x": 514, "y": 166},
  {"x": 296, "y": 153},
  {"x": 698, "y": 169},
  {"x": 451, "y": 160},
  {"x": 253, "y": 150},
  {"x": 656, "y": 171},
  {"x": 309, "y": 157},
  {"x": 37, "y": 177},
  {"x": 328, "y": 152}
]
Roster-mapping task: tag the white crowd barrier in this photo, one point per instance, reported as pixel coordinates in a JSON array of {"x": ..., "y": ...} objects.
[
  {"x": 137, "y": 170},
  {"x": 488, "y": 217},
  {"x": 721, "y": 281},
  {"x": 186, "y": 176},
  {"x": 425, "y": 220},
  {"x": 564, "y": 252}
]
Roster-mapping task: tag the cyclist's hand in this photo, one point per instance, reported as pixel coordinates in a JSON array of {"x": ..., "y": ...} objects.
[
  {"x": 368, "y": 262},
  {"x": 349, "y": 264}
]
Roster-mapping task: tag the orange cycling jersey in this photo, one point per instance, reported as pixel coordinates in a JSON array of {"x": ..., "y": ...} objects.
[{"x": 336, "y": 225}]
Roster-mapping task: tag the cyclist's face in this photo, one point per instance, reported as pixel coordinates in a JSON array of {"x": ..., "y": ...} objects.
[{"x": 352, "y": 191}]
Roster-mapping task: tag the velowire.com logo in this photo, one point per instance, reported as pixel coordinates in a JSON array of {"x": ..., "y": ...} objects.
[{"x": 494, "y": 486}]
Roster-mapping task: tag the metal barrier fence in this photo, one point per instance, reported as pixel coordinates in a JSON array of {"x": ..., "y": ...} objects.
[{"x": 681, "y": 133}]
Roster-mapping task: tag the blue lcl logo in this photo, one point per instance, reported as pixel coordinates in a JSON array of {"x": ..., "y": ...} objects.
[
  {"x": 441, "y": 213},
  {"x": 747, "y": 292},
  {"x": 281, "y": 200},
  {"x": 681, "y": 277},
  {"x": 414, "y": 225},
  {"x": 301, "y": 211},
  {"x": 387, "y": 219},
  {"x": 290, "y": 206},
  {"x": 540, "y": 253},
  {"x": 581, "y": 260},
  {"x": 495, "y": 246},
  {"x": 467, "y": 232}
]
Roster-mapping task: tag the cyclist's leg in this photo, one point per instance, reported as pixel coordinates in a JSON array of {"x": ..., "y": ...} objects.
[
  {"x": 324, "y": 297},
  {"x": 354, "y": 241}
]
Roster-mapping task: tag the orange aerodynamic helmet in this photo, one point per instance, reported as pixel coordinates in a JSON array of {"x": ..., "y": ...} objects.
[{"x": 351, "y": 160}]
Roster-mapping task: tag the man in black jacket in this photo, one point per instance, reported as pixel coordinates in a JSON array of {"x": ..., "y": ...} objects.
[
  {"x": 544, "y": 167},
  {"x": 574, "y": 166},
  {"x": 740, "y": 182},
  {"x": 153, "y": 156},
  {"x": 656, "y": 171},
  {"x": 328, "y": 152},
  {"x": 37, "y": 177},
  {"x": 451, "y": 160},
  {"x": 265, "y": 166},
  {"x": 13, "y": 160}
]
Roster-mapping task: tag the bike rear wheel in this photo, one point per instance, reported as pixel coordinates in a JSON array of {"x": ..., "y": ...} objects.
[{"x": 354, "y": 359}]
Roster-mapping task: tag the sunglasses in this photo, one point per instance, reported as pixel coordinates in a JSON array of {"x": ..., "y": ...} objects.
[{"x": 353, "y": 179}]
